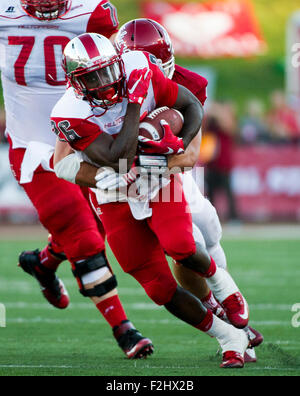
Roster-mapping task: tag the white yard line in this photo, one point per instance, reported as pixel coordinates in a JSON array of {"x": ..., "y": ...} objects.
[
  {"x": 20, "y": 366},
  {"x": 35, "y": 366},
  {"x": 135, "y": 306}
]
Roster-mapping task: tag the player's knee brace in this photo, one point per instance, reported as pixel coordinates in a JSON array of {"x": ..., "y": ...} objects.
[{"x": 90, "y": 270}]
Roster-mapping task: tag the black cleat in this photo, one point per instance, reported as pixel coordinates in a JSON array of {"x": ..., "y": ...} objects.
[
  {"x": 130, "y": 340},
  {"x": 52, "y": 288}
]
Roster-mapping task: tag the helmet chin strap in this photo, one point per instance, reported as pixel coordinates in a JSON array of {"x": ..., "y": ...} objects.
[
  {"x": 109, "y": 98},
  {"x": 104, "y": 103}
]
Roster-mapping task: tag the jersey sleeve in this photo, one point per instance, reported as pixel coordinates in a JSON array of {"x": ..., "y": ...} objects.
[
  {"x": 104, "y": 19},
  {"x": 201, "y": 93},
  {"x": 192, "y": 81},
  {"x": 77, "y": 132},
  {"x": 165, "y": 90}
]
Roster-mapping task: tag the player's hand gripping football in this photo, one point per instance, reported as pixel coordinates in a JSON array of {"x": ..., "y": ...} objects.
[
  {"x": 169, "y": 144},
  {"x": 138, "y": 85}
]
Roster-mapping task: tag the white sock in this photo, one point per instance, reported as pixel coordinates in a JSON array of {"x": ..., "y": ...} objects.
[
  {"x": 222, "y": 285},
  {"x": 229, "y": 338}
]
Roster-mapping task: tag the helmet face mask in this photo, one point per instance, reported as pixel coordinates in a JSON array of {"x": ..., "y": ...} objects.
[
  {"x": 169, "y": 68},
  {"x": 101, "y": 85},
  {"x": 94, "y": 69},
  {"x": 46, "y": 10},
  {"x": 147, "y": 35}
]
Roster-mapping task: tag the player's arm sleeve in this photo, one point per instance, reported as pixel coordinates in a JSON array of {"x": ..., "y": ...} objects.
[
  {"x": 202, "y": 93},
  {"x": 77, "y": 132},
  {"x": 104, "y": 19}
]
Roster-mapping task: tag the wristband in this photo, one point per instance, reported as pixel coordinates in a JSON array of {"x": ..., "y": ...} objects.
[{"x": 154, "y": 164}]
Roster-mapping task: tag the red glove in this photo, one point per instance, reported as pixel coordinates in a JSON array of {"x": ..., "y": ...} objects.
[
  {"x": 169, "y": 144},
  {"x": 138, "y": 85}
]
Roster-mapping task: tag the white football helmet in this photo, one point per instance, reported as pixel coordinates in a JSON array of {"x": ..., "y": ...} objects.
[{"x": 94, "y": 69}]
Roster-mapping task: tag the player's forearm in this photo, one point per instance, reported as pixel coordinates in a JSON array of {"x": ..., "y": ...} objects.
[
  {"x": 193, "y": 116},
  {"x": 125, "y": 145},
  {"x": 189, "y": 158},
  {"x": 86, "y": 175},
  {"x": 106, "y": 151},
  {"x": 193, "y": 113}
]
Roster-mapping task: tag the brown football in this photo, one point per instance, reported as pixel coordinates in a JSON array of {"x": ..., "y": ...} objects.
[{"x": 150, "y": 127}]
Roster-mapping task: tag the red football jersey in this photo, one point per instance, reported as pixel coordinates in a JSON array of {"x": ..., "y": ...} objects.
[
  {"x": 103, "y": 20},
  {"x": 192, "y": 81}
]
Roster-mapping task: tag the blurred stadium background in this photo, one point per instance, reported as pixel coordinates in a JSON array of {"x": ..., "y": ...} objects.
[{"x": 251, "y": 149}]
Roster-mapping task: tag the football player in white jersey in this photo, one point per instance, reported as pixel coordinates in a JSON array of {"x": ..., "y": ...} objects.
[
  {"x": 33, "y": 35},
  {"x": 99, "y": 118}
]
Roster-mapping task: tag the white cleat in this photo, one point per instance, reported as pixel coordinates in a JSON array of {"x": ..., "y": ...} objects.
[{"x": 234, "y": 345}]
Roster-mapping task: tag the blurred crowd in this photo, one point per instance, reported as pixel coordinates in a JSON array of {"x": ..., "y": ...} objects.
[
  {"x": 223, "y": 130},
  {"x": 279, "y": 124}
]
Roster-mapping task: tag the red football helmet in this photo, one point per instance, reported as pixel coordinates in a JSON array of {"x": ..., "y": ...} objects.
[
  {"x": 46, "y": 10},
  {"x": 147, "y": 35}
]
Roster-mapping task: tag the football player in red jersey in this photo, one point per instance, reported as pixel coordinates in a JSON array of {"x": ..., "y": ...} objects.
[
  {"x": 99, "y": 118},
  {"x": 148, "y": 35},
  {"x": 33, "y": 36}
]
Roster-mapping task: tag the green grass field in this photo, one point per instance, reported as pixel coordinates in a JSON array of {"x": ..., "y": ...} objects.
[{"x": 40, "y": 340}]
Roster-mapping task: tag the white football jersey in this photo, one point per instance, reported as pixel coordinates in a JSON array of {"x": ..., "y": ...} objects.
[
  {"x": 75, "y": 121},
  {"x": 30, "y": 61}
]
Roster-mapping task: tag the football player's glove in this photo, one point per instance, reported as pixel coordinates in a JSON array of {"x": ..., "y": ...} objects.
[
  {"x": 109, "y": 180},
  {"x": 169, "y": 144},
  {"x": 138, "y": 85}
]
